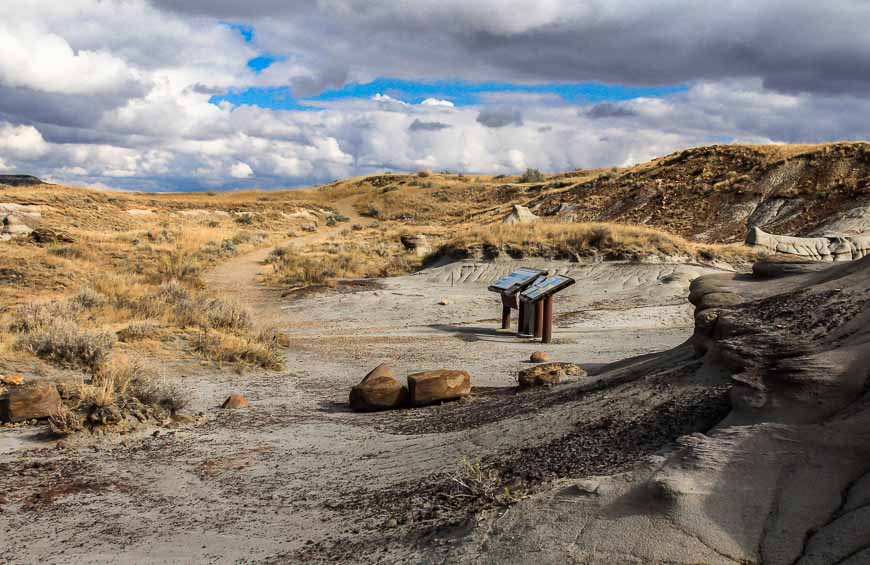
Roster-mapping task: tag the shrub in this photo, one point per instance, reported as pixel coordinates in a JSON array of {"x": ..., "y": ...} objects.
[
  {"x": 178, "y": 264},
  {"x": 245, "y": 218},
  {"x": 88, "y": 298},
  {"x": 424, "y": 173},
  {"x": 532, "y": 175},
  {"x": 63, "y": 342},
  {"x": 35, "y": 315},
  {"x": 137, "y": 331}
]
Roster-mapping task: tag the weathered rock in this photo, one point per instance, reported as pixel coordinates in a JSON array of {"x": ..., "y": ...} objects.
[
  {"x": 519, "y": 215},
  {"x": 549, "y": 374},
  {"x": 539, "y": 357},
  {"x": 418, "y": 244},
  {"x": 444, "y": 302},
  {"x": 29, "y": 402},
  {"x": 235, "y": 401},
  {"x": 14, "y": 380},
  {"x": 430, "y": 387},
  {"x": 13, "y": 227},
  {"x": 379, "y": 390},
  {"x": 45, "y": 235},
  {"x": 828, "y": 247}
]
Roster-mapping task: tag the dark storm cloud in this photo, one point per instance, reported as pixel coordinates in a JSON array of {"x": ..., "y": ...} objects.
[
  {"x": 428, "y": 126},
  {"x": 609, "y": 110},
  {"x": 67, "y": 110},
  {"x": 499, "y": 117},
  {"x": 793, "y": 46}
]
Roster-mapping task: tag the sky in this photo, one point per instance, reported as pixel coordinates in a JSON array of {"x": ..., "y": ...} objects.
[{"x": 174, "y": 95}]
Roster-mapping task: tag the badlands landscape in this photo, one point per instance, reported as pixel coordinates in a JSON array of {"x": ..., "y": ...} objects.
[{"x": 176, "y": 368}]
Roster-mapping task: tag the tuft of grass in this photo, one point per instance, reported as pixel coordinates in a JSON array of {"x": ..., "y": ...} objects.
[
  {"x": 261, "y": 350},
  {"x": 65, "y": 421}
]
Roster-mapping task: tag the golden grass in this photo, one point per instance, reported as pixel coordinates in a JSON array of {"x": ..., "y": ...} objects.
[
  {"x": 558, "y": 239},
  {"x": 339, "y": 261}
]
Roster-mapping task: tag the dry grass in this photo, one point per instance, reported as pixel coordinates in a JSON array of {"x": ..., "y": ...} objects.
[
  {"x": 338, "y": 261},
  {"x": 569, "y": 240},
  {"x": 242, "y": 351}
]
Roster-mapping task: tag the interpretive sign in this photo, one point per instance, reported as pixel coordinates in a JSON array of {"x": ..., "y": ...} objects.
[
  {"x": 547, "y": 286},
  {"x": 516, "y": 281},
  {"x": 509, "y": 287}
]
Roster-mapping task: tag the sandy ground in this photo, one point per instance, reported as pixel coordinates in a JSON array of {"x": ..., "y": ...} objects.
[{"x": 297, "y": 476}]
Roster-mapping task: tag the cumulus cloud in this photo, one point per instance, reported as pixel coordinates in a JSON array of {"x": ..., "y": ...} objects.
[
  {"x": 241, "y": 171},
  {"x": 437, "y": 102}
]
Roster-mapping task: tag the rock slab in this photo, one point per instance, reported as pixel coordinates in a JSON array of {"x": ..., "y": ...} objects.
[
  {"x": 379, "y": 390},
  {"x": 29, "y": 403},
  {"x": 430, "y": 387},
  {"x": 549, "y": 374}
]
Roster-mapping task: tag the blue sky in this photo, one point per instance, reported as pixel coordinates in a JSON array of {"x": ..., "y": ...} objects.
[{"x": 461, "y": 93}]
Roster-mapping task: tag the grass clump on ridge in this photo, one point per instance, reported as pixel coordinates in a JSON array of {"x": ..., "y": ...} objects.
[{"x": 557, "y": 239}]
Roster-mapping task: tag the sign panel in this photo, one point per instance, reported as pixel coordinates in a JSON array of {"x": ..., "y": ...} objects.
[
  {"x": 546, "y": 286},
  {"x": 516, "y": 281}
]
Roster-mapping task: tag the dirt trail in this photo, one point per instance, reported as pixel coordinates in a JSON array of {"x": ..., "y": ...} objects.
[{"x": 240, "y": 276}]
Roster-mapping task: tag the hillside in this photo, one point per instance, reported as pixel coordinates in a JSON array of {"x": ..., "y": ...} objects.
[{"x": 709, "y": 194}]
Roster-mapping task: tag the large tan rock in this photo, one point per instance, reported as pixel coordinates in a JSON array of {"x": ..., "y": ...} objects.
[
  {"x": 430, "y": 387},
  {"x": 29, "y": 403},
  {"x": 235, "y": 401},
  {"x": 379, "y": 390},
  {"x": 549, "y": 374},
  {"x": 519, "y": 215}
]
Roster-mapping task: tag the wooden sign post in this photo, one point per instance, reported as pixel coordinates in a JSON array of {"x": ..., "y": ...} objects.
[
  {"x": 538, "y": 297},
  {"x": 509, "y": 288}
]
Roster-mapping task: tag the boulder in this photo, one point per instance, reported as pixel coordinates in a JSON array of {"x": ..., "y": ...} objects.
[
  {"x": 430, "y": 387},
  {"x": 549, "y": 374},
  {"x": 519, "y": 215},
  {"x": 379, "y": 390},
  {"x": 539, "y": 357},
  {"x": 235, "y": 401},
  {"x": 29, "y": 403},
  {"x": 13, "y": 227},
  {"x": 418, "y": 244}
]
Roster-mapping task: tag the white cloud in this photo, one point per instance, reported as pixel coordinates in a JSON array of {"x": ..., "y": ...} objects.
[
  {"x": 41, "y": 60},
  {"x": 241, "y": 171},
  {"x": 437, "y": 102},
  {"x": 22, "y": 142}
]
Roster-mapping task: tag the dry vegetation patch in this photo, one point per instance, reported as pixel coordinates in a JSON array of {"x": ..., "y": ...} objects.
[{"x": 574, "y": 240}]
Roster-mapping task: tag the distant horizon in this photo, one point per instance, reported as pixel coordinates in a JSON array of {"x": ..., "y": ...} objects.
[{"x": 279, "y": 188}]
